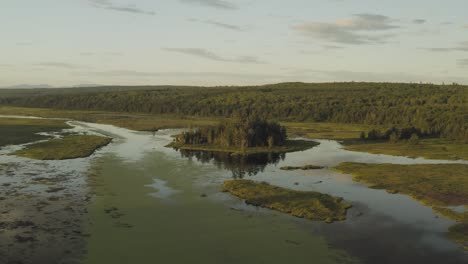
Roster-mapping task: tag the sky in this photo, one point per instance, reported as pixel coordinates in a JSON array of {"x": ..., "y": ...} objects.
[{"x": 63, "y": 43}]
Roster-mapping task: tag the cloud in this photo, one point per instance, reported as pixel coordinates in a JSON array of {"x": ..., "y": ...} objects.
[
  {"x": 466, "y": 26},
  {"x": 217, "y": 24},
  {"x": 107, "y": 4},
  {"x": 202, "y": 53},
  {"x": 419, "y": 21},
  {"x": 332, "y": 47},
  {"x": 462, "y": 46},
  {"x": 61, "y": 65},
  {"x": 463, "y": 62},
  {"x": 131, "y": 73},
  {"x": 104, "y": 54},
  {"x": 220, "y": 4},
  {"x": 360, "y": 29}
]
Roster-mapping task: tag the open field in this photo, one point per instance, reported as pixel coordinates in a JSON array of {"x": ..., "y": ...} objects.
[
  {"x": 68, "y": 147},
  {"x": 18, "y": 131},
  {"x": 310, "y": 205}
]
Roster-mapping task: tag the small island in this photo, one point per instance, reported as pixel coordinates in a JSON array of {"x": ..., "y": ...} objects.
[
  {"x": 309, "y": 205},
  {"x": 67, "y": 147},
  {"x": 243, "y": 136}
]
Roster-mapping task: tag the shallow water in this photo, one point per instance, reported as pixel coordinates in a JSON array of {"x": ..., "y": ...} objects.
[{"x": 154, "y": 204}]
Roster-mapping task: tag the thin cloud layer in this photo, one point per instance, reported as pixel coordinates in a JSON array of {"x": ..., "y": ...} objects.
[
  {"x": 463, "y": 62},
  {"x": 205, "y": 54},
  {"x": 61, "y": 65},
  {"x": 217, "y": 24},
  {"x": 220, "y": 4},
  {"x": 419, "y": 21},
  {"x": 462, "y": 46},
  {"x": 107, "y": 4},
  {"x": 360, "y": 29}
]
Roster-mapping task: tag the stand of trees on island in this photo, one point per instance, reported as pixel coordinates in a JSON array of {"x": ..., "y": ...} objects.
[
  {"x": 242, "y": 133},
  {"x": 437, "y": 110}
]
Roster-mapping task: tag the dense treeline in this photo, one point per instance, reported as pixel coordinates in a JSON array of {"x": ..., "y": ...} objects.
[
  {"x": 439, "y": 110},
  {"x": 242, "y": 133},
  {"x": 395, "y": 134}
]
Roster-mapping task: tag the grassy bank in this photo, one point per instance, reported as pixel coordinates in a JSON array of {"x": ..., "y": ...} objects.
[
  {"x": 433, "y": 184},
  {"x": 310, "y": 205},
  {"x": 15, "y": 131},
  {"x": 139, "y": 122},
  {"x": 68, "y": 147},
  {"x": 427, "y": 148},
  {"x": 459, "y": 231},
  {"x": 290, "y": 146}
]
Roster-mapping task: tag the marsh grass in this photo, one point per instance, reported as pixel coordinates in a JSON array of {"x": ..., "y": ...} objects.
[
  {"x": 309, "y": 205},
  {"x": 137, "y": 121},
  {"x": 315, "y": 130},
  {"x": 459, "y": 231},
  {"x": 427, "y": 148},
  {"x": 433, "y": 184},
  {"x": 349, "y": 133},
  {"x": 68, "y": 147},
  {"x": 15, "y": 131}
]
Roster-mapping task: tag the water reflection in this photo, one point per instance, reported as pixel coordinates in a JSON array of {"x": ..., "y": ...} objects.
[{"x": 239, "y": 165}]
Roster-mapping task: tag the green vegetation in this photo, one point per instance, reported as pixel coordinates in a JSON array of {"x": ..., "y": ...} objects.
[
  {"x": 289, "y": 146},
  {"x": 428, "y": 148},
  {"x": 435, "y": 109},
  {"x": 395, "y": 134},
  {"x": 433, "y": 184},
  {"x": 310, "y": 205},
  {"x": 68, "y": 147},
  {"x": 305, "y": 167},
  {"x": 459, "y": 234},
  {"x": 15, "y": 131},
  {"x": 249, "y": 136},
  {"x": 244, "y": 132},
  {"x": 139, "y": 122},
  {"x": 459, "y": 231},
  {"x": 323, "y": 130},
  {"x": 449, "y": 213}
]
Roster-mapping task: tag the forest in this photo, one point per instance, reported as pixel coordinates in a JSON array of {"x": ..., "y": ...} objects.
[
  {"x": 243, "y": 132},
  {"x": 435, "y": 110}
]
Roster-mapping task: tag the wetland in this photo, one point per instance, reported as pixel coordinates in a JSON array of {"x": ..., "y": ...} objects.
[{"x": 136, "y": 200}]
